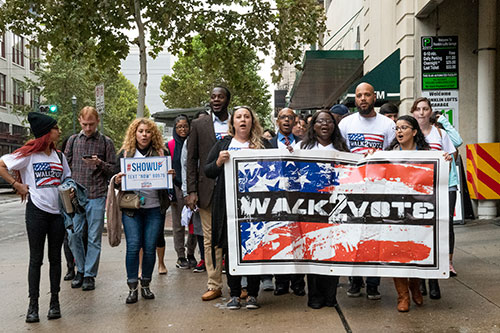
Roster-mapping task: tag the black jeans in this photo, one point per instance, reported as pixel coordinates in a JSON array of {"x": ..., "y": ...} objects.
[
  {"x": 40, "y": 224},
  {"x": 234, "y": 283},
  {"x": 322, "y": 289},
  {"x": 452, "y": 199}
]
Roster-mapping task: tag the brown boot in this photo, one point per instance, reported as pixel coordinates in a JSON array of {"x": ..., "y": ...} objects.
[
  {"x": 401, "y": 285},
  {"x": 416, "y": 295}
]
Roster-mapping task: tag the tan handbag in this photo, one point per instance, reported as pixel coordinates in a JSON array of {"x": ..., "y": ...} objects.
[{"x": 130, "y": 201}]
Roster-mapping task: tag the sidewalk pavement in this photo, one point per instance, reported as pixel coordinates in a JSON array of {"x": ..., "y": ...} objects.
[{"x": 470, "y": 302}]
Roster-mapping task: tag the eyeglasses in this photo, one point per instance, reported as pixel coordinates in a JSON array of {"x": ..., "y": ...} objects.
[
  {"x": 283, "y": 117},
  {"x": 324, "y": 121},
  {"x": 242, "y": 107},
  {"x": 403, "y": 128},
  {"x": 55, "y": 127}
]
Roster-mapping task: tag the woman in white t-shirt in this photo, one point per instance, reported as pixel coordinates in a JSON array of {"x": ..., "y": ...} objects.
[
  {"x": 323, "y": 134},
  {"x": 244, "y": 133},
  {"x": 438, "y": 140},
  {"x": 41, "y": 169}
]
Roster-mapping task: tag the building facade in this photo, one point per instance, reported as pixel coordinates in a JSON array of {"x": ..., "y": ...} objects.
[
  {"x": 17, "y": 63},
  {"x": 381, "y": 29}
]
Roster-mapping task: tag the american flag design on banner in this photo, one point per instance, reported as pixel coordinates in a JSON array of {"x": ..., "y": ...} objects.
[
  {"x": 370, "y": 214},
  {"x": 362, "y": 142},
  {"x": 47, "y": 174}
]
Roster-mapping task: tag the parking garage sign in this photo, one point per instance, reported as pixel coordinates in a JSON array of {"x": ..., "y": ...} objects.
[{"x": 439, "y": 62}]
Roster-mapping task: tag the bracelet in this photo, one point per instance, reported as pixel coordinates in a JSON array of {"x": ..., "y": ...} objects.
[{"x": 12, "y": 184}]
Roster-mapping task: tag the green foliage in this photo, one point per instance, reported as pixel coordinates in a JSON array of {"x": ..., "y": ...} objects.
[
  {"x": 60, "y": 79},
  {"x": 230, "y": 63},
  {"x": 67, "y": 26}
]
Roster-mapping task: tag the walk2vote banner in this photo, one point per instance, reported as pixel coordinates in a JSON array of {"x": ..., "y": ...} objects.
[{"x": 336, "y": 213}]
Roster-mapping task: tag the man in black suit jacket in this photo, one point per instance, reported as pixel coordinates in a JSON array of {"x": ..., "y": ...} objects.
[
  {"x": 286, "y": 140},
  {"x": 205, "y": 131}
]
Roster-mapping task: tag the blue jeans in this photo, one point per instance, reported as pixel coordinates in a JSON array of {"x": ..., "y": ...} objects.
[
  {"x": 141, "y": 231},
  {"x": 88, "y": 263}
]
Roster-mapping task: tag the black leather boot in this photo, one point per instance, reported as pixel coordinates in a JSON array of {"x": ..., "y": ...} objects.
[
  {"x": 423, "y": 288},
  {"x": 32, "y": 315},
  {"x": 132, "y": 293},
  {"x": 434, "y": 291},
  {"x": 54, "y": 308},
  {"x": 145, "y": 291}
]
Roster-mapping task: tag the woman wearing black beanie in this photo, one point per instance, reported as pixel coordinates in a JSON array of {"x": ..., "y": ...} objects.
[{"x": 41, "y": 169}]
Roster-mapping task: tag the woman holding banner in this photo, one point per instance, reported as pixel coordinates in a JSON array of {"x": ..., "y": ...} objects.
[
  {"x": 323, "y": 134},
  {"x": 408, "y": 137},
  {"x": 142, "y": 225},
  {"x": 438, "y": 140},
  {"x": 244, "y": 132}
]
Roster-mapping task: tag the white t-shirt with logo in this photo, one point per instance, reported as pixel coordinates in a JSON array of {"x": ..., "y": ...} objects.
[
  {"x": 319, "y": 146},
  {"x": 43, "y": 174},
  {"x": 236, "y": 145},
  {"x": 362, "y": 133},
  {"x": 440, "y": 142},
  {"x": 220, "y": 127}
]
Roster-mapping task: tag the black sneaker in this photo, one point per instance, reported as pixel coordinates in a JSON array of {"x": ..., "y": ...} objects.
[
  {"x": 234, "y": 304},
  {"x": 77, "y": 281},
  {"x": 252, "y": 303},
  {"x": 372, "y": 293},
  {"x": 88, "y": 283},
  {"x": 182, "y": 263},
  {"x": 192, "y": 261},
  {"x": 354, "y": 290}
]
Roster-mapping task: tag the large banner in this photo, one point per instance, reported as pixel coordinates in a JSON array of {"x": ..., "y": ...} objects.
[{"x": 338, "y": 213}]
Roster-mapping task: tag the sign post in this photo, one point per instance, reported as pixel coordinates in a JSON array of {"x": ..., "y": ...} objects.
[
  {"x": 99, "y": 102},
  {"x": 440, "y": 74}
]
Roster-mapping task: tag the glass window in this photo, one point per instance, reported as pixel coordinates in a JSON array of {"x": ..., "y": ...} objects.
[
  {"x": 2, "y": 45},
  {"x": 3, "y": 89},
  {"x": 17, "y": 93},
  {"x": 18, "y": 49},
  {"x": 34, "y": 97},
  {"x": 34, "y": 58}
]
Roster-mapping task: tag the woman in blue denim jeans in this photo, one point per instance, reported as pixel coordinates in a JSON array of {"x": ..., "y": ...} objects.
[{"x": 142, "y": 226}]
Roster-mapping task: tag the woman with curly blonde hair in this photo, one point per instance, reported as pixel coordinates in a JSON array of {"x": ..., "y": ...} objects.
[
  {"x": 244, "y": 133},
  {"x": 143, "y": 225}
]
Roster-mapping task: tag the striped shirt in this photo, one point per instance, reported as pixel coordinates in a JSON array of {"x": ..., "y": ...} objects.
[{"x": 94, "y": 178}]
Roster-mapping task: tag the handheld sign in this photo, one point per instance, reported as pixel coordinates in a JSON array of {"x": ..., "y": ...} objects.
[{"x": 149, "y": 173}]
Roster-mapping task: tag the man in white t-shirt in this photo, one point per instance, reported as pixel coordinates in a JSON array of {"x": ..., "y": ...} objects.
[
  {"x": 366, "y": 129},
  {"x": 363, "y": 131}
]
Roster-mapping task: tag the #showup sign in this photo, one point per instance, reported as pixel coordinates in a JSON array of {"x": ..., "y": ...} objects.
[
  {"x": 148, "y": 173},
  {"x": 336, "y": 213}
]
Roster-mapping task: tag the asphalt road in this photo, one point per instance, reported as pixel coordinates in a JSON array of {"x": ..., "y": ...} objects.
[{"x": 470, "y": 302}]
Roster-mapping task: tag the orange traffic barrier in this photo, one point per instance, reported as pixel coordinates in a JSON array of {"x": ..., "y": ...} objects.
[{"x": 483, "y": 170}]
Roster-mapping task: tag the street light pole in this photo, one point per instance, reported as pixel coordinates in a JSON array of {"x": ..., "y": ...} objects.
[{"x": 73, "y": 102}]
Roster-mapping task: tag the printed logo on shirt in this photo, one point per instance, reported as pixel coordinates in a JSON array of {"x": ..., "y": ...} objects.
[
  {"x": 236, "y": 148},
  {"x": 436, "y": 146},
  {"x": 361, "y": 142},
  {"x": 47, "y": 174},
  {"x": 220, "y": 136}
]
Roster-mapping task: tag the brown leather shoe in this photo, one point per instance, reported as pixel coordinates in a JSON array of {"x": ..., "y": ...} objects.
[{"x": 211, "y": 294}]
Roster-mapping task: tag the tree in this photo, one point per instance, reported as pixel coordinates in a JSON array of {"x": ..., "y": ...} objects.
[
  {"x": 67, "y": 26},
  {"x": 194, "y": 76},
  {"x": 60, "y": 79}
]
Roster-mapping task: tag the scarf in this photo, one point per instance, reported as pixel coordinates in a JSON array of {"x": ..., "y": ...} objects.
[{"x": 176, "y": 158}]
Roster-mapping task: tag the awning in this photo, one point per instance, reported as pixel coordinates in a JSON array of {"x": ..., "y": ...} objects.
[
  {"x": 384, "y": 78},
  {"x": 168, "y": 116},
  {"x": 324, "y": 77}
]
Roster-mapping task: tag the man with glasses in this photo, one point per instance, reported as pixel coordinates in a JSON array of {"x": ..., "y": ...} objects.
[
  {"x": 205, "y": 131},
  {"x": 286, "y": 140},
  {"x": 91, "y": 157},
  {"x": 364, "y": 131}
]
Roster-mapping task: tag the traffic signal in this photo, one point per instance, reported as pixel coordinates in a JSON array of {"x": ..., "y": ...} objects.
[{"x": 52, "y": 108}]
